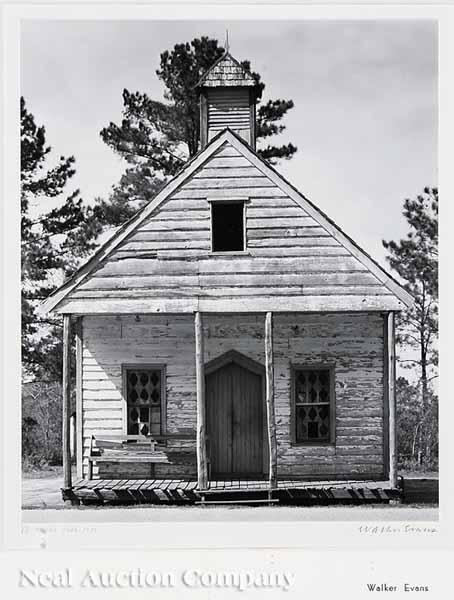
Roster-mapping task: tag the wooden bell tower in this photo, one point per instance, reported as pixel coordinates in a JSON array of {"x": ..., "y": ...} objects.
[{"x": 228, "y": 95}]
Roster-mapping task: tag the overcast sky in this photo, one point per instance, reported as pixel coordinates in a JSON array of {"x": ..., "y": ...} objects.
[{"x": 365, "y": 94}]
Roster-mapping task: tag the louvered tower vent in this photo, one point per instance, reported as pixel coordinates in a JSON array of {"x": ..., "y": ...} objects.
[{"x": 228, "y": 95}]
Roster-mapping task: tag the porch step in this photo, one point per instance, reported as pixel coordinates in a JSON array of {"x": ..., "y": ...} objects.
[
  {"x": 420, "y": 490},
  {"x": 252, "y": 501}
]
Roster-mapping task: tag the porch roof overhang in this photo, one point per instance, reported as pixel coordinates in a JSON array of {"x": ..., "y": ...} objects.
[{"x": 276, "y": 304}]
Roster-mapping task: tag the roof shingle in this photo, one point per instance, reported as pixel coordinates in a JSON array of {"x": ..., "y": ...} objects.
[{"x": 226, "y": 71}]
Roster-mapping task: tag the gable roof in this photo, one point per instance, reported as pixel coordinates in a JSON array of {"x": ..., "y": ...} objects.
[
  {"x": 226, "y": 71},
  {"x": 225, "y": 137}
]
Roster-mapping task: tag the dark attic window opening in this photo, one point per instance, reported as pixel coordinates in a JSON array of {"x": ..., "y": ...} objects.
[{"x": 227, "y": 220}]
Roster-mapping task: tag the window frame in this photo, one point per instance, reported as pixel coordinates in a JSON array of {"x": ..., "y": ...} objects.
[
  {"x": 331, "y": 367},
  {"x": 124, "y": 386},
  {"x": 233, "y": 200}
]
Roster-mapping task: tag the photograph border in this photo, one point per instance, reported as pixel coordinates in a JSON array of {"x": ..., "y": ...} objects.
[{"x": 192, "y": 535}]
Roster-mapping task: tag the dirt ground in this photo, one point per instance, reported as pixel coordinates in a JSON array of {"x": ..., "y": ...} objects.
[
  {"x": 41, "y": 489},
  {"x": 162, "y": 514},
  {"x": 40, "y": 493}
]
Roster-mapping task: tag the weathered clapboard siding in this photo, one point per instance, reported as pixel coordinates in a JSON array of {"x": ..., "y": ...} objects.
[
  {"x": 291, "y": 262},
  {"x": 110, "y": 342},
  {"x": 259, "y": 303},
  {"x": 304, "y": 265},
  {"x": 210, "y": 280},
  {"x": 243, "y": 291},
  {"x": 353, "y": 342},
  {"x": 259, "y": 181}
]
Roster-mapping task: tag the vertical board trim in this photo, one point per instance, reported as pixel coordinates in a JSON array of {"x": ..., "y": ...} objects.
[
  {"x": 66, "y": 394},
  {"x": 270, "y": 409},
  {"x": 202, "y": 469},
  {"x": 386, "y": 447},
  {"x": 252, "y": 118},
  {"x": 203, "y": 120},
  {"x": 392, "y": 400}
]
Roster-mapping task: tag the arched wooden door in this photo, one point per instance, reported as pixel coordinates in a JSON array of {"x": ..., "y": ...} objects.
[{"x": 235, "y": 421}]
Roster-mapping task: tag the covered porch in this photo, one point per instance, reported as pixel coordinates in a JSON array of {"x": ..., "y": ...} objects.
[{"x": 274, "y": 486}]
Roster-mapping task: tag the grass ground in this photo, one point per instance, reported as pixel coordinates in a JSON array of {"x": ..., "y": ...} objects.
[{"x": 49, "y": 472}]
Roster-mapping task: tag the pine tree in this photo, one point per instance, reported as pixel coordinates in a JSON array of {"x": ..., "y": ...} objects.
[
  {"x": 157, "y": 138},
  {"x": 409, "y": 423},
  {"x": 53, "y": 242},
  {"x": 415, "y": 259}
]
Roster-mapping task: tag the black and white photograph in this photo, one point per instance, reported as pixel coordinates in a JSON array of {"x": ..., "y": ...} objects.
[
  {"x": 209, "y": 334},
  {"x": 228, "y": 280}
]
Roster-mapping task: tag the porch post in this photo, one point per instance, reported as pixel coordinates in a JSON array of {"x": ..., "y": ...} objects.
[
  {"x": 79, "y": 416},
  {"x": 391, "y": 386},
  {"x": 202, "y": 470},
  {"x": 72, "y": 436},
  {"x": 270, "y": 412},
  {"x": 66, "y": 438}
]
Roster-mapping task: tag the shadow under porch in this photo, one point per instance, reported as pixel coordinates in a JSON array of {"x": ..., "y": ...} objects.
[{"x": 229, "y": 491}]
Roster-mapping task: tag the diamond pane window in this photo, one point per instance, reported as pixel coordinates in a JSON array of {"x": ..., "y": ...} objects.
[
  {"x": 143, "y": 396},
  {"x": 313, "y": 399}
]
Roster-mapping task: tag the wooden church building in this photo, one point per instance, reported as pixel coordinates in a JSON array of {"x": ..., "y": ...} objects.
[{"x": 230, "y": 336}]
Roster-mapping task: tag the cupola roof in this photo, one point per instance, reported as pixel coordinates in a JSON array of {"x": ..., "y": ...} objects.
[{"x": 226, "y": 72}]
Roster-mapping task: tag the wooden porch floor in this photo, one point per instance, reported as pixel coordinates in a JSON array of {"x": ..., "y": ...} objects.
[{"x": 178, "y": 491}]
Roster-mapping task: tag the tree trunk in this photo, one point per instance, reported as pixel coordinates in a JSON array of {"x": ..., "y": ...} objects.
[{"x": 425, "y": 404}]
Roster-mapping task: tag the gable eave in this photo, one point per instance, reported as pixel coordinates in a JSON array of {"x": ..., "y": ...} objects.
[
  {"x": 347, "y": 242},
  {"x": 51, "y": 303},
  {"x": 58, "y": 296}
]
